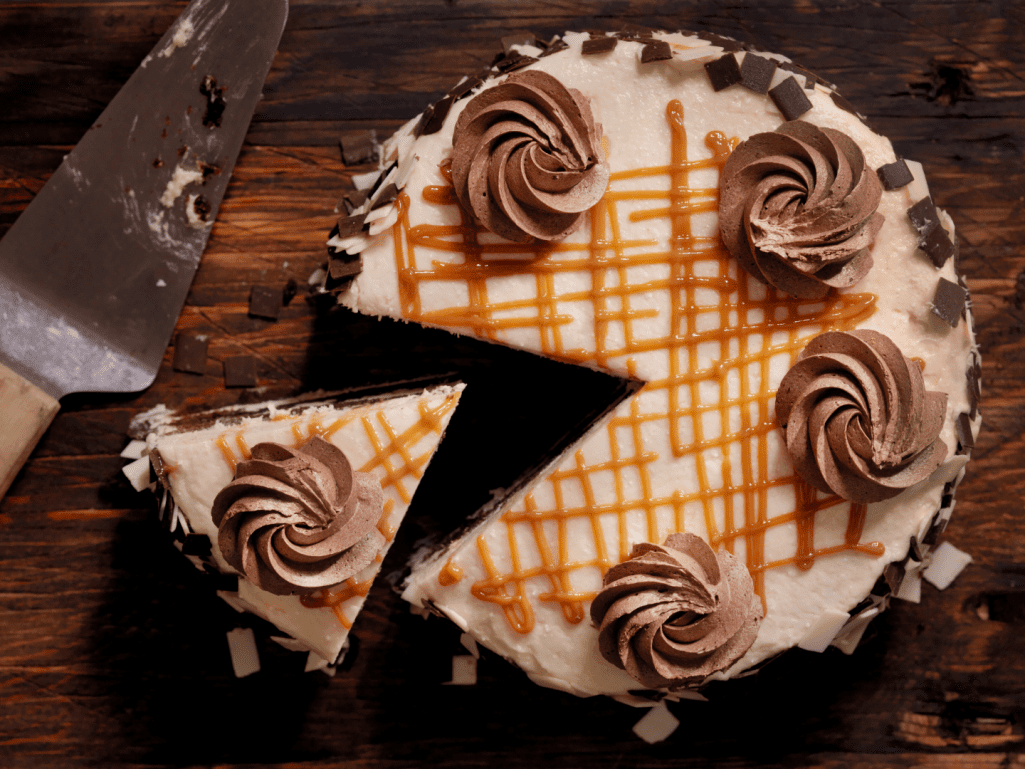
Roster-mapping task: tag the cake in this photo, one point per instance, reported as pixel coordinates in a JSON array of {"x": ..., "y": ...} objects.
[
  {"x": 293, "y": 504},
  {"x": 715, "y": 224}
]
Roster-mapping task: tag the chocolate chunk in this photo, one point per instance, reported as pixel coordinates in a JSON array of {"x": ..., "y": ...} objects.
[
  {"x": 265, "y": 302},
  {"x": 964, "y": 433},
  {"x": 509, "y": 62},
  {"x": 240, "y": 371},
  {"x": 517, "y": 38},
  {"x": 358, "y": 147},
  {"x": 923, "y": 216},
  {"x": 557, "y": 44},
  {"x": 595, "y": 45},
  {"x": 723, "y": 72},
  {"x": 894, "y": 573},
  {"x": 349, "y": 225},
  {"x": 790, "y": 98},
  {"x": 352, "y": 200},
  {"x": 949, "y": 301},
  {"x": 656, "y": 50},
  {"x": 340, "y": 268},
  {"x": 635, "y": 32},
  {"x": 461, "y": 89},
  {"x": 756, "y": 72},
  {"x": 938, "y": 246},
  {"x": 215, "y": 103},
  {"x": 190, "y": 354},
  {"x": 895, "y": 175},
  {"x": 939, "y": 525},
  {"x": 196, "y": 544},
  {"x": 434, "y": 117},
  {"x": 291, "y": 289},
  {"x": 385, "y": 196}
]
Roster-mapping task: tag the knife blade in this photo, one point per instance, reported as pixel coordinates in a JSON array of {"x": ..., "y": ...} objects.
[{"x": 94, "y": 273}]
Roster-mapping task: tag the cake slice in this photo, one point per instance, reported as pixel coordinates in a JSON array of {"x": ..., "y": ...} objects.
[
  {"x": 310, "y": 586},
  {"x": 673, "y": 209}
]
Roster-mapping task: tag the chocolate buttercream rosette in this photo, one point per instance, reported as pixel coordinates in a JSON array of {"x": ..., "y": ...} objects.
[
  {"x": 798, "y": 209},
  {"x": 297, "y": 520},
  {"x": 527, "y": 161},
  {"x": 858, "y": 420},
  {"x": 674, "y": 614}
]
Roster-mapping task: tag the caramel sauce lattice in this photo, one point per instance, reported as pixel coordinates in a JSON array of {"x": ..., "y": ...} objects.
[{"x": 707, "y": 360}]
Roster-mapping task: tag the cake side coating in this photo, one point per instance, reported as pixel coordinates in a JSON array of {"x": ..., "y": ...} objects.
[
  {"x": 391, "y": 438},
  {"x": 645, "y": 289}
]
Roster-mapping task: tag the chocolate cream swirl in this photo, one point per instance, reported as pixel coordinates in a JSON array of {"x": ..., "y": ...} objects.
[
  {"x": 857, "y": 417},
  {"x": 673, "y": 614},
  {"x": 294, "y": 521},
  {"x": 527, "y": 160},
  {"x": 797, "y": 208}
]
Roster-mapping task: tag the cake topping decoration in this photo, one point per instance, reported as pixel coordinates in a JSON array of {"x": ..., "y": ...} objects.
[
  {"x": 756, "y": 72},
  {"x": 298, "y": 520},
  {"x": 656, "y": 50},
  {"x": 895, "y": 175},
  {"x": 949, "y": 301},
  {"x": 601, "y": 44},
  {"x": 797, "y": 208},
  {"x": 527, "y": 161},
  {"x": 858, "y": 420},
  {"x": 790, "y": 99},
  {"x": 723, "y": 72},
  {"x": 673, "y": 614}
]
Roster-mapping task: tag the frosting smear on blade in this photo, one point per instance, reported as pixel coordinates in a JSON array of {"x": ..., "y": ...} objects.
[
  {"x": 296, "y": 520},
  {"x": 798, "y": 209},
  {"x": 674, "y": 614},
  {"x": 527, "y": 160},
  {"x": 858, "y": 419}
]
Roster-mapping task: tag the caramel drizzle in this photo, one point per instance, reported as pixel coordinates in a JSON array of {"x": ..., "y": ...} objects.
[
  {"x": 394, "y": 450},
  {"x": 725, "y": 442}
]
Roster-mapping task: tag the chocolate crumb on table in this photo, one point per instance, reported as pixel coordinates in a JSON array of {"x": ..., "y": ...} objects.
[
  {"x": 190, "y": 353},
  {"x": 240, "y": 371},
  {"x": 265, "y": 302}
]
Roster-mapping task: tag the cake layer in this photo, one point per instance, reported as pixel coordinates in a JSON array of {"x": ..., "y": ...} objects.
[
  {"x": 645, "y": 289},
  {"x": 392, "y": 438}
]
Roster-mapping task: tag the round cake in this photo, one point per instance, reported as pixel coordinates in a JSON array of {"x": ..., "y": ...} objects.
[{"x": 718, "y": 226}]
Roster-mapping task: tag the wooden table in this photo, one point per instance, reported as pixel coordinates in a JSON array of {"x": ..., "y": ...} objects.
[{"x": 112, "y": 651}]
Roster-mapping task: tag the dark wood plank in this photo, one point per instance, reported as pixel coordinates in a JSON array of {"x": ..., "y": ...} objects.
[{"x": 104, "y": 629}]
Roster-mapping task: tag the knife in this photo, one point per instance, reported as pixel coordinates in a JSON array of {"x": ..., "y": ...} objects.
[{"x": 94, "y": 273}]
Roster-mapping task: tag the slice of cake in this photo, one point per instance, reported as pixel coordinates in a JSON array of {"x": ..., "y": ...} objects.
[
  {"x": 300, "y": 499},
  {"x": 709, "y": 221}
]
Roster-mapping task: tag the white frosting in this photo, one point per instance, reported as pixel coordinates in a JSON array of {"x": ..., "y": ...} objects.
[
  {"x": 629, "y": 99},
  {"x": 198, "y": 470}
]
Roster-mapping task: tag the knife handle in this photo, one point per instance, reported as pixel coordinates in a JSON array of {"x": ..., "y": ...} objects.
[{"x": 25, "y": 413}]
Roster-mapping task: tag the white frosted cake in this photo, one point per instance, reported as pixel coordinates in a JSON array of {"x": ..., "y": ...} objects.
[
  {"x": 679, "y": 212},
  {"x": 304, "y": 558}
]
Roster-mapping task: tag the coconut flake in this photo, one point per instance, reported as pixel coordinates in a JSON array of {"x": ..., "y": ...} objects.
[
  {"x": 245, "y": 659},
  {"x": 947, "y": 563},
  {"x": 657, "y": 724}
]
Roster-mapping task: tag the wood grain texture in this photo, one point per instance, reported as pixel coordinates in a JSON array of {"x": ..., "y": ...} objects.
[{"x": 112, "y": 649}]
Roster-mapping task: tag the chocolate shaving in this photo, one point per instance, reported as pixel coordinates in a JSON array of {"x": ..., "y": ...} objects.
[
  {"x": 462, "y": 88},
  {"x": 790, "y": 99},
  {"x": 434, "y": 117},
  {"x": 657, "y": 50},
  {"x": 190, "y": 354},
  {"x": 728, "y": 44},
  {"x": 949, "y": 301},
  {"x": 595, "y": 45},
  {"x": 340, "y": 268},
  {"x": 240, "y": 371},
  {"x": 723, "y": 72},
  {"x": 265, "y": 302},
  {"x": 352, "y": 200},
  {"x": 557, "y": 44},
  {"x": 358, "y": 147},
  {"x": 965, "y": 438},
  {"x": 895, "y": 175},
  {"x": 974, "y": 384},
  {"x": 756, "y": 72},
  {"x": 349, "y": 226},
  {"x": 202, "y": 208},
  {"x": 196, "y": 544}
]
